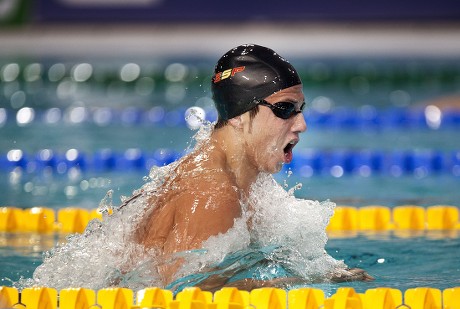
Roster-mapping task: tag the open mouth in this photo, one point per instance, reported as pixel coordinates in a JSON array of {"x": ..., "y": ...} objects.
[{"x": 288, "y": 151}]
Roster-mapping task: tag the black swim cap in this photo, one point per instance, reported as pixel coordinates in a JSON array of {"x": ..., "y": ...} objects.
[{"x": 247, "y": 74}]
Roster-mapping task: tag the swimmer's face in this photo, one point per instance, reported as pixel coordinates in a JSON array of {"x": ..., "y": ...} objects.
[{"x": 271, "y": 139}]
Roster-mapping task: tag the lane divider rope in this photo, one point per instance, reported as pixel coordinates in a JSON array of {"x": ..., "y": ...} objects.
[
  {"x": 306, "y": 162},
  {"x": 373, "y": 218},
  {"x": 229, "y": 298},
  {"x": 366, "y": 117}
]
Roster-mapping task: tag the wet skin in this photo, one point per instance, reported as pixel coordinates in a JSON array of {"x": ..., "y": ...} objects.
[{"x": 203, "y": 195}]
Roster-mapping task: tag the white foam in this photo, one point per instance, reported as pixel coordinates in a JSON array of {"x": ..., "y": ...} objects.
[
  {"x": 107, "y": 255},
  {"x": 297, "y": 225}
]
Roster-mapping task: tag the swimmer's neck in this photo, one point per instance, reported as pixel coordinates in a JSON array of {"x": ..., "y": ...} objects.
[{"x": 229, "y": 154}]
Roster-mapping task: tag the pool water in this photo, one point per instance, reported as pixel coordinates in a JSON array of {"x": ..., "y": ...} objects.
[
  {"x": 144, "y": 114},
  {"x": 58, "y": 191},
  {"x": 32, "y": 186},
  {"x": 400, "y": 263}
]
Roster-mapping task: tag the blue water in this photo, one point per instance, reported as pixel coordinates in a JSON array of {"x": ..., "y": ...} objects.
[
  {"x": 60, "y": 189},
  {"x": 402, "y": 263},
  {"x": 332, "y": 84},
  {"x": 57, "y": 191}
]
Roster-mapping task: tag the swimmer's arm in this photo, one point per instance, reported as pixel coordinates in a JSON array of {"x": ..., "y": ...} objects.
[
  {"x": 197, "y": 217},
  {"x": 215, "y": 283},
  {"x": 353, "y": 274}
]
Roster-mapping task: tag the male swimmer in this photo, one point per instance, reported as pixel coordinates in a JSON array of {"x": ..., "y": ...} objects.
[{"x": 259, "y": 99}]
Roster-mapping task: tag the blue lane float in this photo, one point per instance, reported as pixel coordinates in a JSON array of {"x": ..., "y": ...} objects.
[
  {"x": 371, "y": 118},
  {"x": 306, "y": 162},
  {"x": 376, "y": 162},
  {"x": 366, "y": 117}
]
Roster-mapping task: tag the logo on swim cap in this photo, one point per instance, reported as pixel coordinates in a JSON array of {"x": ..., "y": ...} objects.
[
  {"x": 247, "y": 74},
  {"x": 226, "y": 74}
]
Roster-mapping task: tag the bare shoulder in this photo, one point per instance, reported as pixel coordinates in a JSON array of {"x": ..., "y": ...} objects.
[
  {"x": 213, "y": 194},
  {"x": 205, "y": 208}
]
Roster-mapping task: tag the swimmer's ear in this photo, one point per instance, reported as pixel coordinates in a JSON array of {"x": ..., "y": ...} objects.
[{"x": 236, "y": 122}]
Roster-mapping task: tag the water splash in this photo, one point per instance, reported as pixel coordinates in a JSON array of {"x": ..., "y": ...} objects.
[
  {"x": 286, "y": 238},
  {"x": 105, "y": 206},
  {"x": 277, "y": 235},
  {"x": 297, "y": 225}
]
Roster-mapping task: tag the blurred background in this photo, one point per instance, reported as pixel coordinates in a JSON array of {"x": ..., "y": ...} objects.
[{"x": 94, "y": 92}]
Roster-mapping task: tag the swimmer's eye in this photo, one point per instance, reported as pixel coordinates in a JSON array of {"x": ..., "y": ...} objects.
[{"x": 284, "y": 110}]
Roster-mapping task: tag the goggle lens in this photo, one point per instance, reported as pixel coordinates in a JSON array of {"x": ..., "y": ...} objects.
[{"x": 284, "y": 110}]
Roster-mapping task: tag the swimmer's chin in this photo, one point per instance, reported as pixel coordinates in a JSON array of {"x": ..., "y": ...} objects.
[
  {"x": 277, "y": 168},
  {"x": 273, "y": 169}
]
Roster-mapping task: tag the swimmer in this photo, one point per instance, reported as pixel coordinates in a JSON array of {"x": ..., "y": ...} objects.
[{"x": 259, "y": 99}]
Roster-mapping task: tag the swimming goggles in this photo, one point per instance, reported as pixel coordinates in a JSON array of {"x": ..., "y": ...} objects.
[{"x": 284, "y": 110}]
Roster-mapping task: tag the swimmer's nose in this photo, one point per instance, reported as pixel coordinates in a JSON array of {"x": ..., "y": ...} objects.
[{"x": 300, "y": 125}]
